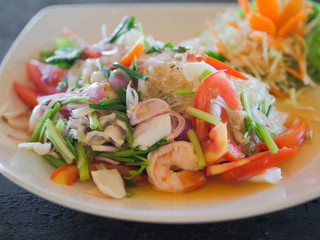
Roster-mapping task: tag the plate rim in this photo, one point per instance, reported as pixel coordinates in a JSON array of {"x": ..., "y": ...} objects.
[{"x": 131, "y": 216}]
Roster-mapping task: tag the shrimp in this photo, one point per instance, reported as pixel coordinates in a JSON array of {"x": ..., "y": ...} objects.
[{"x": 174, "y": 168}]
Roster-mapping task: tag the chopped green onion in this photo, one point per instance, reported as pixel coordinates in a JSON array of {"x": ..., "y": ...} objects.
[
  {"x": 117, "y": 31},
  {"x": 138, "y": 172},
  {"x": 122, "y": 94},
  {"x": 184, "y": 91},
  {"x": 309, "y": 135},
  {"x": 246, "y": 134},
  {"x": 107, "y": 102},
  {"x": 269, "y": 110},
  {"x": 94, "y": 121},
  {"x": 82, "y": 162},
  {"x": 58, "y": 142},
  {"x": 263, "y": 105},
  {"x": 108, "y": 107},
  {"x": 60, "y": 126},
  {"x": 76, "y": 99},
  {"x": 245, "y": 103},
  {"x": 265, "y": 137},
  {"x": 197, "y": 148},
  {"x": 129, "y": 193},
  {"x": 57, "y": 162},
  {"x": 204, "y": 74},
  {"x": 70, "y": 146},
  {"x": 131, "y": 72},
  {"x": 202, "y": 115},
  {"x": 48, "y": 114},
  {"x": 103, "y": 68}
]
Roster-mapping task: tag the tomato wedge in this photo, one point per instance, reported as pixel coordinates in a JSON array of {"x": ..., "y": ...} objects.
[
  {"x": 27, "y": 94},
  {"x": 293, "y": 137},
  {"x": 216, "y": 64},
  {"x": 258, "y": 163},
  {"x": 66, "y": 174},
  {"x": 216, "y": 85},
  {"x": 45, "y": 77}
]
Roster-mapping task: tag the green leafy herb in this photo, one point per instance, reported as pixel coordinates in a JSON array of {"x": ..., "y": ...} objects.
[
  {"x": 131, "y": 72},
  {"x": 216, "y": 55},
  {"x": 64, "y": 57},
  {"x": 63, "y": 84}
]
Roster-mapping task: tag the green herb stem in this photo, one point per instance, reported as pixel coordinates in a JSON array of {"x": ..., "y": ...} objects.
[
  {"x": 76, "y": 99},
  {"x": 203, "y": 115},
  {"x": 265, "y": 137},
  {"x": 197, "y": 148},
  {"x": 57, "y": 162},
  {"x": 131, "y": 72},
  {"x": 82, "y": 162},
  {"x": 184, "y": 91}
]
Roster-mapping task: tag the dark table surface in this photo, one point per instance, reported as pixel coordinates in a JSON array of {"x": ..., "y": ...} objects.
[{"x": 26, "y": 216}]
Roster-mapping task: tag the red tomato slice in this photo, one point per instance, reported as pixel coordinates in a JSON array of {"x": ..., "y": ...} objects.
[
  {"x": 27, "y": 94},
  {"x": 294, "y": 136},
  {"x": 258, "y": 163},
  {"x": 45, "y": 77}
]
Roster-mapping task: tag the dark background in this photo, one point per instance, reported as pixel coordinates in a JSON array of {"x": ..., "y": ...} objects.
[{"x": 26, "y": 216}]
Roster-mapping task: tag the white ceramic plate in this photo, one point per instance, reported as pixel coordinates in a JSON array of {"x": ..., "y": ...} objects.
[{"x": 167, "y": 22}]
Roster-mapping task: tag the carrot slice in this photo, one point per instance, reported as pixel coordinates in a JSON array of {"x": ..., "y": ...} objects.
[
  {"x": 258, "y": 37},
  {"x": 293, "y": 22},
  {"x": 290, "y": 9},
  {"x": 261, "y": 23},
  {"x": 278, "y": 93},
  {"x": 135, "y": 51},
  {"x": 269, "y": 9},
  {"x": 233, "y": 24},
  {"x": 245, "y": 6}
]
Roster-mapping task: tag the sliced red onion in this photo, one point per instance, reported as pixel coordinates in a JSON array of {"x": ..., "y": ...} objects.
[
  {"x": 147, "y": 109},
  {"x": 177, "y": 123},
  {"x": 119, "y": 78},
  {"x": 95, "y": 91},
  {"x": 104, "y": 148},
  {"x": 140, "y": 129},
  {"x": 183, "y": 135},
  {"x": 79, "y": 112},
  {"x": 132, "y": 98},
  {"x": 16, "y": 138},
  {"x": 108, "y": 160}
]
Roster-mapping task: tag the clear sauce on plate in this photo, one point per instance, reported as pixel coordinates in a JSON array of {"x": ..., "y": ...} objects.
[{"x": 216, "y": 190}]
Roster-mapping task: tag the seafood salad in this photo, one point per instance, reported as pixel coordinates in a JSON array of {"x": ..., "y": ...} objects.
[{"x": 134, "y": 110}]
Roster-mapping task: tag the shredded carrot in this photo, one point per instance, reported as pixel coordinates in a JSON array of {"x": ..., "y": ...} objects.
[
  {"x": 293, "y": 22},
  {"x": 291, "y": 8},
  {"x": 288, "y": 69},
  {"x": 222, "y": 45},
  {"x": 278, "y": 93},
  {"x": 261, "y": 23},
  {"x": 269, "y": 9},
  {"x": 245, "y": 6},
  {"x": 221, "y": 50},
  {"x": 233, "y": 24},
  {"x": 258, "y": 37}
]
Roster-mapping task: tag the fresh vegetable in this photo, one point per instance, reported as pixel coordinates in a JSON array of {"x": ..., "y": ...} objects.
[
  {"x": 27, "y": 94},
  {"x": 65, "y": 175},
  {"x": 45, "y": 77},
  {"x": 258, "y": 163}
]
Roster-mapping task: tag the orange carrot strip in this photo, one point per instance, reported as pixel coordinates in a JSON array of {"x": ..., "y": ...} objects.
[
  {"x": 290, "y": 9},
  {"x": 245, "y": 6},
  {"x": 135, "y": 51},
  {"x": 220, "y": 50},
  {"x": 261, "y": 23},
  {"x": 258, "y": 37},
  {"x": 278, "y": 93},
  {"x": 222, "y": 45},
  {"x": 290, "y": 70},
  {"x": 269, "y": 9},
  {"x": 233, "y": 24},
  {"x": 293, "y": 22}
]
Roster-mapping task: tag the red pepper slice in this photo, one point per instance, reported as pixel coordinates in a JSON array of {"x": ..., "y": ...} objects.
[
  {"x": 216, "y": 64},
  {"x": 27, "y": 94},
  {"x": 294, "y": 136},
  {"x": 258, "y": 163}
]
